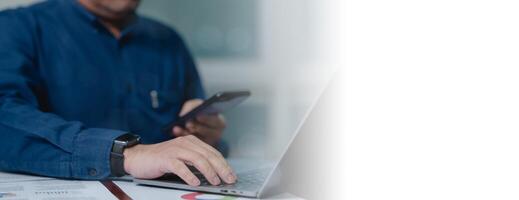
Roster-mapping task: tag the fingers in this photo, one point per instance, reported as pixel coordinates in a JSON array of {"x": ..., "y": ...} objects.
[
  {"x": 215, "y": 158},
  {"x": 180, "y": 169},
  {"x": 178, "y": 131},
  {"x": 190, "y": 105},
  {"x": 207, "y": 147},
  {"x": 201, "y": 163},
  {"x": 212, "y": 121},
  {"x": 151, "y": 161},
  {"x": 201, "y": 129},
  {"x": 206, "y": 124}
]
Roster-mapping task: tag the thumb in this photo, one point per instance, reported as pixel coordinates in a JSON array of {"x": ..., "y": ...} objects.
[{"x": 190, "y": 105}]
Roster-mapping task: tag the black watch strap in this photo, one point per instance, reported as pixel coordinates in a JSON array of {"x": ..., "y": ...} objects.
[{"x": 117, "y": 157}]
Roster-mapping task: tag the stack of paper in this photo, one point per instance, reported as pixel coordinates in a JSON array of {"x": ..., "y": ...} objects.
[{"x": 15, "y": 186}]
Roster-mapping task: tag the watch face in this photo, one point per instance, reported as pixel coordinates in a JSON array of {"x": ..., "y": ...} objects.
[{"x": 128, "y": 139}]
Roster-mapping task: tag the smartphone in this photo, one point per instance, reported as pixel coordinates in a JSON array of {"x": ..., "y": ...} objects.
[{"x": 218, "y": 103}]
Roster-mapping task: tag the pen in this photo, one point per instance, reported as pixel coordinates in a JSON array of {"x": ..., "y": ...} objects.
[{"x": 154, "y": 99}]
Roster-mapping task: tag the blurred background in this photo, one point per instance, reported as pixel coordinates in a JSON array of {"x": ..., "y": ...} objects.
[{"x": 271, "y": 47}]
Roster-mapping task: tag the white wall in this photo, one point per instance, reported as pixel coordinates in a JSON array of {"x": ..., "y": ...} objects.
[
  {"x": 288, "y": 73},
  {"x": 15, "y": 3}
]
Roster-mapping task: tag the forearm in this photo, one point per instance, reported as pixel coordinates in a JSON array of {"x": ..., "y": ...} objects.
[
  {"x": 25, "y": 154},
  {"x": 45, "y": 144}
]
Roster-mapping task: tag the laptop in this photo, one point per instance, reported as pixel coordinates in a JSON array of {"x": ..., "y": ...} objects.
[{"x": 265, "y": 179}]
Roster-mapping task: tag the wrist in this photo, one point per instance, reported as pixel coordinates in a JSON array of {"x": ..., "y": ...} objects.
[
  {"x": 117, "y": 157},
  {"x": 129, "y": 156}
]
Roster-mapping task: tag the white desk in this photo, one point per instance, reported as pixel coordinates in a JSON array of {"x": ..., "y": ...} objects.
[
  {"x": 138, "y": 192},
  {"x": 15, "y": 186}
]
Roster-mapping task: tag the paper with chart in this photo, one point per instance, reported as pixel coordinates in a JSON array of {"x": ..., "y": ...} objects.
[
  {"x": 9, "y": 177},
  {"x": 54, "y": 189}
]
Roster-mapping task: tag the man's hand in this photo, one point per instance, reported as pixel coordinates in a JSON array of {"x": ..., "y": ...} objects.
[
  {"x": 209, "y": 128},
  {"x": 173, "y": 156}
]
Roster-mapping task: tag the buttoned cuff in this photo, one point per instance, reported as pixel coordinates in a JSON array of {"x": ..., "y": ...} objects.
[{"x": 91, "y": 156}]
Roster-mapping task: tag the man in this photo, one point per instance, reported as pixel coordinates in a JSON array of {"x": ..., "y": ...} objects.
[{"x": 78, "y": 80}]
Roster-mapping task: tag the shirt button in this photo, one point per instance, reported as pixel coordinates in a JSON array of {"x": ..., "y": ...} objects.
[{"x": 92, "y": 172}]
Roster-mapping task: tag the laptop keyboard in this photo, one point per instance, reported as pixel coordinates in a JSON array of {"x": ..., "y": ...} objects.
[
  {"x": 250, "y": 180},
  {"x": 246, "y": 180}
]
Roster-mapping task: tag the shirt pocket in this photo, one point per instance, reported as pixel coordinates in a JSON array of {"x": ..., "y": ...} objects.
[
  {"x": 162, "y": 101},
  {"x": 160, "y": 95},
  {"x": 169, "y": 101},
  {"x": 156, "y": 110}
]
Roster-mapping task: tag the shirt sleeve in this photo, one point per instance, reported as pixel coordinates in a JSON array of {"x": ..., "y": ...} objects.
[{"x": 34, "y": 141}]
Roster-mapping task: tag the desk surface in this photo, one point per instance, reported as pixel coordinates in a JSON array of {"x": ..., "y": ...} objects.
[
  {"x": 15, "y": 186},
  {"x": 145, "y": 192}
]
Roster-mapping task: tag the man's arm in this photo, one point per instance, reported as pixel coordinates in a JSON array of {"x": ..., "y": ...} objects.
[
  {"x": 37, "y": 142},
  {"x": 33, "y": 141}
]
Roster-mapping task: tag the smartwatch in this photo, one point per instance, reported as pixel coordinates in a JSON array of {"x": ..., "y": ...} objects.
[{"x": 117, "y": 157}]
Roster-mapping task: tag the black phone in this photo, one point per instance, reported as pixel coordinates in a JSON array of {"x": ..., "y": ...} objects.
[{"x": 218, "y": 103}]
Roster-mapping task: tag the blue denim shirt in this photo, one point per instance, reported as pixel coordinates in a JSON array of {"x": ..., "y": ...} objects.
[{"x": 68, "y": 87}]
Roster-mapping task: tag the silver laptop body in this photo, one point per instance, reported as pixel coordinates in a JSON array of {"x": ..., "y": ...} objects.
[
  {"x": 248, "y": 185},
  {"x": 268, "y": 179}
]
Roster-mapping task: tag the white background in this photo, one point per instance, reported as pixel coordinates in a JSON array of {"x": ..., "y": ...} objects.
[{"x": 432, "y": 91}]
